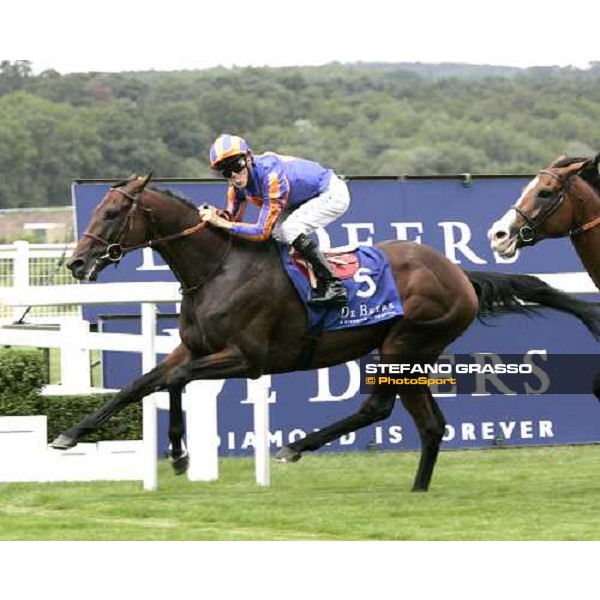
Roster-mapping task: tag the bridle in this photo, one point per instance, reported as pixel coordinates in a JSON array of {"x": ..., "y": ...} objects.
[
  {"x": 115, "y": 251},
  {"x": 528, "y": 235}
]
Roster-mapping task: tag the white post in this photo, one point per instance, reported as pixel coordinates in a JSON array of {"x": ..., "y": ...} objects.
[
  {"x": 258, "y": 394},
  {"x": 200, "y": 403},
  {"x": 75, "y": 370},
  {"x": 20, "y": 272},
  {"x": 150, "y": 418}
]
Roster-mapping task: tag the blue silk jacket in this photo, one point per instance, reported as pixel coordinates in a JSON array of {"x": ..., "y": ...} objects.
[{"x": 276, "y": 182}]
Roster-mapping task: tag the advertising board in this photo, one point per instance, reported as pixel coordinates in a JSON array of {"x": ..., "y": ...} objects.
[{"x": 451, "y": 214}]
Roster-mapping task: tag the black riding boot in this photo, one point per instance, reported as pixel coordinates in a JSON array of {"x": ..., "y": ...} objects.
[{"x": 330, "y": 289}]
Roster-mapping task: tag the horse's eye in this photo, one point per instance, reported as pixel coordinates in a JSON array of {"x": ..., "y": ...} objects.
[
  {"x": 111, "y": 214},
  {"x": 545, "y": 194}
]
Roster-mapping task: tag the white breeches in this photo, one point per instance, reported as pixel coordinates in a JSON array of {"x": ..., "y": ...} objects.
[{"x": 315, "y": 213}]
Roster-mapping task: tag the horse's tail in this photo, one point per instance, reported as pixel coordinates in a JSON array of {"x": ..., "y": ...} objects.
[{"x": 501, "y": 293}]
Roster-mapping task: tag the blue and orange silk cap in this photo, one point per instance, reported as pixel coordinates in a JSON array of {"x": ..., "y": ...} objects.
[{"x": 226, "y": 146}]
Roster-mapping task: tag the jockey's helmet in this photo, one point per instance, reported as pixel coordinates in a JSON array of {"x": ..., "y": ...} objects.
[{"x": 227, "y": 146}]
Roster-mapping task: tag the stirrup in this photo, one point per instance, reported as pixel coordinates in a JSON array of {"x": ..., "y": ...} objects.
[{"x": 334, "y": 296}]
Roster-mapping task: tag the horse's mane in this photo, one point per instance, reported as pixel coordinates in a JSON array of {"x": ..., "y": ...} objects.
[
  {"x": 165, "y": 192},
  {"x": 566, "y": 161},
  {"x": 591, "y": 176},
  {"x": 174, "y": 196},
  {"x": 589, "y": 171}
]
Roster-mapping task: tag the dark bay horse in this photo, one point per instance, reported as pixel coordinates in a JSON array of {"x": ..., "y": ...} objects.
[
  {"x": 562, "y": 200},
  {"x": 241, "y": 316}
]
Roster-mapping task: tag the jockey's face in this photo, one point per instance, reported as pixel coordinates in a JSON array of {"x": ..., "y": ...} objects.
[{"x": 240, "y": 180}]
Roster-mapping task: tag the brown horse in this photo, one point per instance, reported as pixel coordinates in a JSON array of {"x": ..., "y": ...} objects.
[
  {"x": 562, "y": 200},
  {"x": 241, "y": 316}
]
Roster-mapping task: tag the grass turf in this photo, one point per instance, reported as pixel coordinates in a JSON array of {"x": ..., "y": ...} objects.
[{"x": 543, "y": 493}]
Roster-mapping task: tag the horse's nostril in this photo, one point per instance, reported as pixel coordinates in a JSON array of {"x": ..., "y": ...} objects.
[
  {"x": 75, "y": 264},
  {"x": 499, "y": 235}
]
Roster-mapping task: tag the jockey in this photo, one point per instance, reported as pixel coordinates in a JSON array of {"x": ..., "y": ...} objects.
[{"x": 295, "y": 196}]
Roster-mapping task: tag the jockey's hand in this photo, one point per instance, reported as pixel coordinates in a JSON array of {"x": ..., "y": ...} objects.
[
  {"x": 209, "y": 215},
  {"x": 205, "y": 210}
]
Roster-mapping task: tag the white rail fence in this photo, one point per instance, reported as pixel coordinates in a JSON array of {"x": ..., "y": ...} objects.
[
  {"x": 23, "y": 265},
  {"x": 74, "y": 339},
  {"x": 22, "y": 286}
]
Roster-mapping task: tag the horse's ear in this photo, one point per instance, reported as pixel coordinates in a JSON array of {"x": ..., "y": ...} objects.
[
  {"x": 597, "y": 161},
  {"x": 145, "y": 181}
]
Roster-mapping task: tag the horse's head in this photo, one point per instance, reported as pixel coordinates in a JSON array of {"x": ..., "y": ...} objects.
[
  {"x": 120, "y": 221},
  {"x": 547, "y": 207}
]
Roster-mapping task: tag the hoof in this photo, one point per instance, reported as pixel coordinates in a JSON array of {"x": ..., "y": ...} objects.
[
  {"x": 63, "y": 442},
  {"x": 287, "y": 455},
  {"x": 180, "y": 464}
]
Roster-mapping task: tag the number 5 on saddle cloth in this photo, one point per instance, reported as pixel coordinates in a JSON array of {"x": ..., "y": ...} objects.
[{"x": 366, "y": 273}]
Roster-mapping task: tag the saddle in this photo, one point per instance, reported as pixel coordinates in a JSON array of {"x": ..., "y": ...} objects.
[
  {"x": 343, "y": 263},
  {"x": 373, "y": 298}
]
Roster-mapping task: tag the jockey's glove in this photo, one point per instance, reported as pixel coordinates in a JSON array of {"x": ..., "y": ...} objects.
[{"x": 209, "y": 215}]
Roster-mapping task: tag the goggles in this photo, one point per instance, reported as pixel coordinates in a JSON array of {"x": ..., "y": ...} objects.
[{"x": 236, "y": 165}]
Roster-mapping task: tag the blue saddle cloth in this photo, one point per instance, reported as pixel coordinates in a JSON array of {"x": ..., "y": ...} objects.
[{"x": 372, "y": 293}]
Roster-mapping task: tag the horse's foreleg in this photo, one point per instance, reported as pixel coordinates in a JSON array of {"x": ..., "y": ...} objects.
[
  {"x": 229, "y": 362},
  {"x": 376, "y": 407},
  {"x": 152, "y": 381},
  {"x": 179, "y": 458},
  {"x": 431, "y": 425}
]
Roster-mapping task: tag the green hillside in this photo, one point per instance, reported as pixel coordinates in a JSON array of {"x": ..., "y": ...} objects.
[{"x": 362, "y": 119}]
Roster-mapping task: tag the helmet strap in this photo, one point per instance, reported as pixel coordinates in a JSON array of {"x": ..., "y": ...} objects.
[{"x": 249, "y": 167}]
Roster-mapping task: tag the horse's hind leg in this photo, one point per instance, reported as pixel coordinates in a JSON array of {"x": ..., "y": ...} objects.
[
  {"x": 377, "y": 407},
  {"x": 420, "y": 404},
  {"x": 431, "y": 425},
  {"x": 596, "y": 385}
]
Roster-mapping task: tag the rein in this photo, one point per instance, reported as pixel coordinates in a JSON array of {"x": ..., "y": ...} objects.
[
  {"x": 115, "y": 251},
  {"x": 183, "y": 291}
]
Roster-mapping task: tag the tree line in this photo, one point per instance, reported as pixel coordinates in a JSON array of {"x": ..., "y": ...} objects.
[{"x": 362, "y": 119}]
